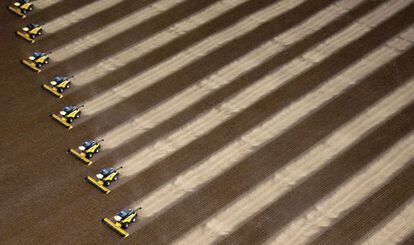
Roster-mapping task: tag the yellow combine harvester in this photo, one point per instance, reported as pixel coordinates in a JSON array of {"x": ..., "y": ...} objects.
[
  {"x": 122, "y": 221},
  {"x": 58, "y": 85},
  {"x": 22, "y": 7},
  {"x": 87, "y": 150},
  {"x": 30, "y": 32},
  {"x": 37, "y": 60},
  {"x": 104, "y": 179},
  {"x": 68, "y": 115}
]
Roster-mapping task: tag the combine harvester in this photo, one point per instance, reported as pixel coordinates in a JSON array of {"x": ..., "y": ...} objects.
[
  {"x": 22, "y": 7},
  {"x": 68, "y": 115},
  {"x": 37, "y": 60},
  {"x": 30, "y": 32},
  {"x": 104, "y": 179},
  {"x": 58, "y": 85},
  {"x": 87, "y": 150},
  {"x": 122, "y": 221}
]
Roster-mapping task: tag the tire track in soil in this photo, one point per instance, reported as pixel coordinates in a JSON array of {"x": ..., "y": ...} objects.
[
  {"x": 284, "y": 144},
  {"x": 125, "y": 39},
  {"x": 189, "y": 75},
  {"x": 372, "y": 211},
  {"x": 89, "y": 24}
]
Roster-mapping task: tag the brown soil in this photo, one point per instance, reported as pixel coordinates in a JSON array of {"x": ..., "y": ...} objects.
[{"x": 44, "y": 200}]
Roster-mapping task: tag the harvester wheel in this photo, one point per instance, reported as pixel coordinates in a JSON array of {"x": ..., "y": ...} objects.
[
  {"x": 69, "y": 120},
  {"x": 88, "y": 155},
  {"x": 125, "y": 225},
  {"x": 32, "y": 36},
  {"x": 107, "y": 183},
  {"x": 60, "y": 90}
]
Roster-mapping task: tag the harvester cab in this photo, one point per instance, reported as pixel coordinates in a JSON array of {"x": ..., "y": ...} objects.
[
  {"x": 90, "y": 147},
  {"x": 108, "y": 175},
  {"x": 31, "y": 32},
  {"x": 122, "y": 221},
  {"x": 22, "y": 7},
  {"x": 68, "y": 115},
  {"x": 34, "y": 28},
  {"x": 58, "y": 85},
  {"x": 87, "y": 150},
  {"x": 104, "y": 178},
  {"x": 61, "y": 82},
  {"x": 37, "y": 60},
  {"x": 125, "y": 217}
]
